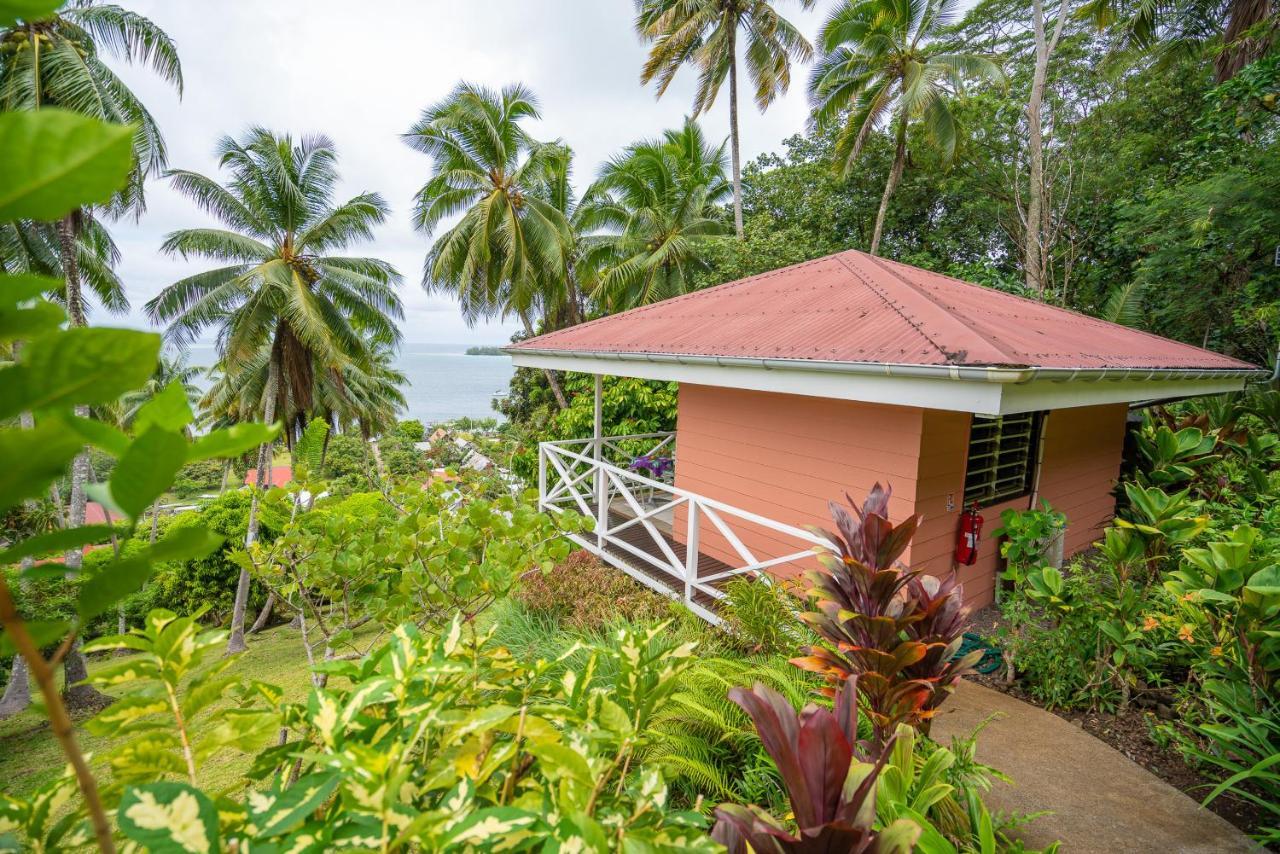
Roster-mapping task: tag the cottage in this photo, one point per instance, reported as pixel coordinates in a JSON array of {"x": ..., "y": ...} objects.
[{"x": 799, "y": 385}]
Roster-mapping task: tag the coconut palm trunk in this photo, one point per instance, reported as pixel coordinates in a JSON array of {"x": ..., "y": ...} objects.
[
  {"x": 74, "y": 693},
  {"x": 895, "y": 175},
  {"x": 236, "y": 642},
  {"x": 734, "y": 150},
  {"x": 1244, "y": 41},
  {"x": 552, "y": 379},
  {"x": 17, "y": 693}
]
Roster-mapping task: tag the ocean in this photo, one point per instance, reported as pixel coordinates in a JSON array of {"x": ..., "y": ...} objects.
[{"x": 444, "y": 382}]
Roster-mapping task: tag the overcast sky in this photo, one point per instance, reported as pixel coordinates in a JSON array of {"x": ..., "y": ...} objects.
[{"x": 361, "y": 72}]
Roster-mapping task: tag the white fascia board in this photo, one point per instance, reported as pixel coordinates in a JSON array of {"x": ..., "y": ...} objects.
[
  {"x": 924, "y": 392},
  {"x": 954, "y": 393},
  {"x": 1039, "y": 395}
]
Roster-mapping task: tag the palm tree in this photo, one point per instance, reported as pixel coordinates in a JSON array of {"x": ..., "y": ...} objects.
[
  {"x": 659, "y": 200},
  {"x": 882, "y": 62},
  {"x": 170, "y": 369},
  {"x": 510, "y": 245},
  {"x": 705, "y": 32},
  {"x": 1238, "y": 31},
  {"x": 57, "y": 61},
  {"x": 562, "y": 298},
  {"x": 282, "y": 297},
  {"x": 34, "y": 247}
]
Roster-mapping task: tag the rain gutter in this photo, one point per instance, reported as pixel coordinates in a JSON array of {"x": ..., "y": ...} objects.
[{"x": 970, "y": 373}]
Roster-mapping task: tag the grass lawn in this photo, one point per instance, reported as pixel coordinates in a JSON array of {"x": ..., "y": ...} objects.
[{"x": 30, "y": 756}]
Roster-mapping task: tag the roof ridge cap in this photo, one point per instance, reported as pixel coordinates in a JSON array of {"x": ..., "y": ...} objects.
[
  {"x": 892, "y": 305},
  {"x": 680, "y": 297},
  {"x": 1008, "y": 358},
  {"x": 1062, "y": 309}
]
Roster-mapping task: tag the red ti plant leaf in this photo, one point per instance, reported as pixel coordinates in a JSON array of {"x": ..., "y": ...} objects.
[
  {"x": 896, "y": 628},
  {"x": 831, "y": 789}
]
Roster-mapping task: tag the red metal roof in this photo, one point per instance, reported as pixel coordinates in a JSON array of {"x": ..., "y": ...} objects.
[{"x": 853, "y": 307}]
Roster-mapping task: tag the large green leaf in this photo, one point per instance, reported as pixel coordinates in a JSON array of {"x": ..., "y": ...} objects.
[
  {"x": 26, "y": 10},
  {"x": 120, "y": 578},
  {"x": 231, "y": 441},
  {"x": 147, "y": 469},
  {"x": 112, "y": 583},
  {"x": 169, "y": 817},
  {"x": 78, "y": 366},
  {"x": 1266, "y": 581},
  {"x": 168, "y": 410},
  {"x": 53, "y": 161},
  {"x": 22, "y": 312},
  {"x": 55, "y": 541},
  {"x": 33, "y": 459},
  {"x": 99, "y": 434}
]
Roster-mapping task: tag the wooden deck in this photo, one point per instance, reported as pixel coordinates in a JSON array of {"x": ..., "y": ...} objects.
[{"x": 639, "y": 538}]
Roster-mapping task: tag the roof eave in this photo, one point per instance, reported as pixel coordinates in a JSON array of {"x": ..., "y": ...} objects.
[{"x": 968, "y": 373}]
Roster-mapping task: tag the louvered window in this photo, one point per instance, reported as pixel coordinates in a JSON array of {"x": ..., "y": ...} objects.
[{"x": 1002, "y": 457}]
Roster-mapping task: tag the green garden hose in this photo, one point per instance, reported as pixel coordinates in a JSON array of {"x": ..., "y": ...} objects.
[{"x": 992, "y": 657}]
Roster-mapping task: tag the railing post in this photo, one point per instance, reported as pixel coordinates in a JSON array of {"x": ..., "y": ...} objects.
[
  {"x": 691, "y": 551},
  {"x": 542, "y": 475},
  {"x": 597, "y": 445}
]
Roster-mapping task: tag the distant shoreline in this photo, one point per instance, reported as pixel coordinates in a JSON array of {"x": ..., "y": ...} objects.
[{"x": 485, "y": 351}]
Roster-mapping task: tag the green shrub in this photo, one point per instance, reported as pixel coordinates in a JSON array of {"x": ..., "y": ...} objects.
[
  {"x": 763, "y": 618},
  {"x": 347, "y": 464},
  {"x": 198, "y": 478},
  {"x": 411, "y": 429},
  {"x": 210, "y": 582},
  {"x": 1029, "y": 536}
]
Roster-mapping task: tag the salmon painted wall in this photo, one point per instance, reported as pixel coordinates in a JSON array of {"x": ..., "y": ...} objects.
[
  {"x": 1082, "y": 448},
  {"x": 784, "y": 457}
]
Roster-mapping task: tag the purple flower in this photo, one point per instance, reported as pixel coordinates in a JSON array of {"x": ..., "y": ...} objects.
[{"x": 654, "y": 467}]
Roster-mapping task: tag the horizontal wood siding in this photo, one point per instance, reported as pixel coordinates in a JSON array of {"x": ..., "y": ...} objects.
[
  {"x": 785, "y": 457},
  {"x": 1082, "y": 451},
  {"x": 1081, "y": 460}
]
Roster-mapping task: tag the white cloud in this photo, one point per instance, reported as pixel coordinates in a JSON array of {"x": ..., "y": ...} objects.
[{"x": 362, "y": 72}]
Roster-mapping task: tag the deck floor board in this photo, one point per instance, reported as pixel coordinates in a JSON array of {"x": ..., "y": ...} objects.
[{"x": 641, "y": 539}]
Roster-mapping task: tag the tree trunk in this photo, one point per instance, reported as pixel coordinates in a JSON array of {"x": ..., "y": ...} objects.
[
  {"x": 236, "y": 642},
  {"x": 264, "y": 615},
  {"x": 734, "y": 148},
  {"x": 552, "y": 379},
  {"x": 17, "y": 694},
  {"x": 1239, "y": 47},
  {"x": 76, "y": 695},
  {"x": 1034, "y": 231},
  {"x": 226, "y": 475},
  {"x": 895, "y": 175}
]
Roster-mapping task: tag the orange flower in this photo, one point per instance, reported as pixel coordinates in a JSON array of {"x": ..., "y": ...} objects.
[
  {"x": 1216, "y": 652},
  {"x": 1184, "y": 633},
  {"x": 1193, "y": 596},
  {"x": 1150, "y": 623}
]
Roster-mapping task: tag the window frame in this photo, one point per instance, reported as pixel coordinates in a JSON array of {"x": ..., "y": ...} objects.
[{"x": 1033, "y": 432}]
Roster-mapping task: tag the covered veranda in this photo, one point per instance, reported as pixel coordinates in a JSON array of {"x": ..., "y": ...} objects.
[{"x": 649, "y": 528}]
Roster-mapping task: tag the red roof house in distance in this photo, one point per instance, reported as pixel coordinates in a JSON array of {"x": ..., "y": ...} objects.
[
  {"x": 278, "y": 476},
  {"x": 802, "y": 384}
]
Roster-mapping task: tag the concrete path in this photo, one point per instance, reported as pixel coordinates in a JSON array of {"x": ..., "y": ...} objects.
[{"x": 1100, "y": 800}]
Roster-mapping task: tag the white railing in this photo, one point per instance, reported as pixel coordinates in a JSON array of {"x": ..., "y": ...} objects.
[{"x": 602, "y": 487}]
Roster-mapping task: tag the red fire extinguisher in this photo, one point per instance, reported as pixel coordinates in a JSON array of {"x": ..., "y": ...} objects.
[{"x": 967, "y": 537}]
